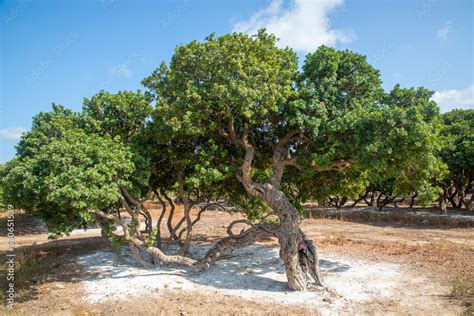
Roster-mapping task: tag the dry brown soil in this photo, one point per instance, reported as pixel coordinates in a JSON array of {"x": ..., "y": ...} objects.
[{"x": 441, "y": 254}]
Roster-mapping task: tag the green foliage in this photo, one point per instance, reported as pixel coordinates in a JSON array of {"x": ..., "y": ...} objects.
[
  {"x": 107, "y": 227},
  {"x": 248, "y": 76},
  {"x": 46, "y": 127},
  {"x": 70, "y": 163},
  {"x": 68, "y": 176},
  {"x": 391, "y": 139},
  {"x": 409, "y": 142},
  {"x": 340, "y": 79},
  {"x": 337, "y": 101},
  {"x": 122, "y": 114},
  {"x": 152, "y": 237},
  {"x": 117, "y": 241},
  {"x": 458, "y": 152}
]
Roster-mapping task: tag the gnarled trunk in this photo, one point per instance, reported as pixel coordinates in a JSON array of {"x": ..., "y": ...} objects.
[{"x": 296, "y": 250}]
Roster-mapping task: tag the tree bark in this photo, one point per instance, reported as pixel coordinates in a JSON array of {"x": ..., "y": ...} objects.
[
  {"x": 296, "y": 250},
  {"x": 232, "y": 242},
  {"x": 158, "y": 241},
  {"x": 413, "y": 199},
  {"x": 443, "y": 201}
]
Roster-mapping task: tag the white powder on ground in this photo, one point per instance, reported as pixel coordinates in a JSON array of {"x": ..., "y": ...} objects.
[{"x": 253, "y": 273}]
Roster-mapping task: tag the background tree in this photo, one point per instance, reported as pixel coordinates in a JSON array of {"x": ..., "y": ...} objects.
[
  {"x": 458, "y": 154},
  {"x": 417, "y": 144},
  {"x": 71, "y": 175}
]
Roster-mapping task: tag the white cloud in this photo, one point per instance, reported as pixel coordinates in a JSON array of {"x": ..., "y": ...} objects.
[
  {"x": 444, "y": 31},
  {"x": 303, "y": 25},
  {"x": 122, "y": 70},
  {"x": 11, "y": 133},
  {"x": 453, "y": 99}
]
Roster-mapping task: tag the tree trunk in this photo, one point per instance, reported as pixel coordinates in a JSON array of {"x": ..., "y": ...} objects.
[
  {"x": 361, "y": 197},
  {"x": 232, "y": 242},
  {"x": 395, "y": 201},
  {"x": 378, "y": 202},
  {"x": 413, "y": 199},
  {"x": 442, "y": 201},
  {"x": 296, "y": 250},
  {"x": 372, "y": 199}
]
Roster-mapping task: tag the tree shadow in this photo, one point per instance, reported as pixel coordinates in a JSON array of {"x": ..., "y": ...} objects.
[
  {"x": 25, "y": 224},
  {"x": 253, "y": 268},
  {"x": 257, "y": 267},
  {"x": 54, "y": 261}
]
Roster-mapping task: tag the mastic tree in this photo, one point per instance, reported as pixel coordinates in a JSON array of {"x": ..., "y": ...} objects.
[
  {"x": 415, "y": 140},
  {"x": 280, "y": 128},
  {"x": 458, "y": 154},
  {"x": 237, "y": 123}
]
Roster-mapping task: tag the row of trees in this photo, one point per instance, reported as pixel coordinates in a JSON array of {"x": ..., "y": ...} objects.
[
  {"x": 230, "y": 122},
  {"x": 453, "y": 181}
]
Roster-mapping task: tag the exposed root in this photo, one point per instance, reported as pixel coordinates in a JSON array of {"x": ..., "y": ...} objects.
[
  {"x": 239, "y": 221},
  {"x": 233, "y": 242},
  {"x": 296, "y": 250}
]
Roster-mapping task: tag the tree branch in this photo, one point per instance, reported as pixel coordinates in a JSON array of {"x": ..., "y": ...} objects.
[
  {"x": 281, "y": 157},
  {"x": 339, "y": 165}
]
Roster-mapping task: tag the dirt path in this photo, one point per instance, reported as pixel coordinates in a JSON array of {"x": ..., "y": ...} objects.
[{"x": 369, "y": 269}]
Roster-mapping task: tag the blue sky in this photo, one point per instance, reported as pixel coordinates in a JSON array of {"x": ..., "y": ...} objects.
[{"x": 63, "y": 51}]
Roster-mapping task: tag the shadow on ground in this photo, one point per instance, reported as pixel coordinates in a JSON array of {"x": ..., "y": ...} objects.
[
  {"x": 24, "y": 225},
  {"x": 253, "y": 268}
]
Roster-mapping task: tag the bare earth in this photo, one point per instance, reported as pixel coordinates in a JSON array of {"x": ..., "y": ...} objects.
[{"x": 368, "y": 269}]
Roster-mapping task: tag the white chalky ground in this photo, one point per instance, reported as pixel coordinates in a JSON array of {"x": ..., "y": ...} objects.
[{"x": 253, "y": 273}]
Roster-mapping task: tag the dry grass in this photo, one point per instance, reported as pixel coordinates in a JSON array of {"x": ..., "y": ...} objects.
[
  {"x": 29, "y": 270},
  {"x": 391, "y": 216},
  {"x": 447, "y": 260},
  {"x": 464, "y": 291}
]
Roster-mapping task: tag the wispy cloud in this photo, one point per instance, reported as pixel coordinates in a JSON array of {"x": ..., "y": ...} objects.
[
  {"x": 11, "y": 133},
  {"x": 454, "y": 99},
  {"x": 445, "y": 30},
  {"x": 302, "y": 24}
]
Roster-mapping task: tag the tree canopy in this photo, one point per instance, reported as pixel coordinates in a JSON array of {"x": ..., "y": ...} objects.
[{"x": 458, "y": 154}]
